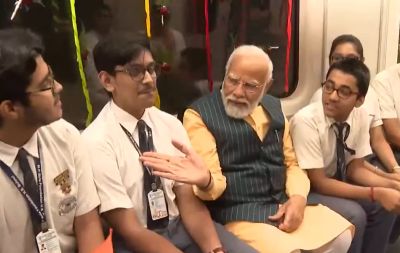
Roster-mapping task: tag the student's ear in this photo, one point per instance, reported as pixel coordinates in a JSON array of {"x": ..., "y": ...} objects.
[
  {"x": 107, "y": 81},
  {"x": 9, "y": 110},
  {"x": 360, "y": 101}
]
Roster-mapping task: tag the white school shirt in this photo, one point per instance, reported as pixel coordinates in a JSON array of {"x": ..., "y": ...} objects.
[
  {"x": 118, "y": 173},
  {"x": 371, "y": 104},
  {"x": 314, "y": 139},
  {"x": 387, "y": 86},
  {"x": 61, "y": 150}
]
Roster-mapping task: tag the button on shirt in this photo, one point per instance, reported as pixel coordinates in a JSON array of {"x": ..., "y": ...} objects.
[
  {"x": 371, "y": 105},
  {"x": 61, "y": 150},
  {"x": 314, "y": 139},
  {"x": 117, "y": 170}
]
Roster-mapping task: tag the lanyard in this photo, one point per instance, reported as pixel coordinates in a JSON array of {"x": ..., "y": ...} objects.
[
  {"x": 134, "y": 143},
  {"x": 39, "y": 210}
]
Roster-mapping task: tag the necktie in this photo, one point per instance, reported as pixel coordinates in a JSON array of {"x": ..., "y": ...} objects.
[
  {"x": 146, "y": 144},
  {"x": 30, "y": 187},
  {"x": 340, "y": 149}
]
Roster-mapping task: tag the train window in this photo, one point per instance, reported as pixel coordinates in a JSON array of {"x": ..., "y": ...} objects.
[
  {"x": 272, "y": 25},
  {"x": 52, "y": 21},
  {"x": 178, "y": 40}
]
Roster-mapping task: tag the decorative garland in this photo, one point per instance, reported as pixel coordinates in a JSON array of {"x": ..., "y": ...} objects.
[
  {"x": 80, "y": 65},
  {"x": 210, "y": 81},
  {"x": 289, "y": 38},
  {"x": 157, "y": 101}
]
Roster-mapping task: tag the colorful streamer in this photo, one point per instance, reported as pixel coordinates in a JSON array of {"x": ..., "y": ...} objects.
[
  {"x": 147, "y": 10},
  {"x": 289, "y": 41},
  {"x": 208, "y": 45},
  {"x": 157, "y": 101},
  {"x": 80, "y": 65}
]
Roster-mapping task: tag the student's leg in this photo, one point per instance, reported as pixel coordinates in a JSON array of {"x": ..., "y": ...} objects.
[
  {"x": 379, "y": 227},
  {"x": 371, "y": 236},
  {"x": 374, "y": 160},
  {"x": 354, "y": 213},
  {"x": 394, "y": 236}
]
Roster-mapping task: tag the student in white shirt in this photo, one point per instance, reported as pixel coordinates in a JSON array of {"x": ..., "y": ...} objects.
[
  {"x": 131, "y": 198},
  {"x": 387, "y": 86},
  {"x": 345, "y": 47},
  {"x": 46, "y": 179},
  {"x": 335, "y": 158}
]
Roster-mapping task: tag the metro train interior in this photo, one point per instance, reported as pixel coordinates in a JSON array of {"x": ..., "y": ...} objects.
[{"x": 296, "y": 34}]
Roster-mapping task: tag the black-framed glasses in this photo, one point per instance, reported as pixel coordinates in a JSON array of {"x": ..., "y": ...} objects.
[
  {"x": 48, "y": 84},
  {"x": 138, "y": 72},
  {"x": 343, "y": 92},
  {"x": 234, "y": 82}
]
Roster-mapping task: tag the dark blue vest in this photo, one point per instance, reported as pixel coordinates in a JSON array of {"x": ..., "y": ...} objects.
[{"x": 255, "y": 170}]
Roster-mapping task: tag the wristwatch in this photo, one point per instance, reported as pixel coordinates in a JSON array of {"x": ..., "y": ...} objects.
[{"x": 218, "y": 250}]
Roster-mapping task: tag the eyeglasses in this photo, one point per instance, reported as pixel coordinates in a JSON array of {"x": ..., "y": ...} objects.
[
  {"x": 343, "y": 92},
  {"x": 48, "y": 83},
  {"x": 336, "y": 58},
  {"x": 138, "y": 72},
  {"x": 234, "y": 82}
]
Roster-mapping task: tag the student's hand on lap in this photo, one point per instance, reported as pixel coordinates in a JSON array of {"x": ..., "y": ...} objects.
[
  {"x": 389, "y": 198},
  {"x": 189, "y": 169},
  {"x": 291, "y": 214}
]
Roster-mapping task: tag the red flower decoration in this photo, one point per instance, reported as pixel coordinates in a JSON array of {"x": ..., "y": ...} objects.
[
  {"x": 163, "y": 10},
  {"x": 165, "y": 67}
]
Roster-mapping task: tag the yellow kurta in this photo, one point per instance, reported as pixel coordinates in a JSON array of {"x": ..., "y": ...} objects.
[{"x": 320, "y": 225}]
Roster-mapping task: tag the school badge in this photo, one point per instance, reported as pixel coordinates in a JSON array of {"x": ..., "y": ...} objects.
[
  {"x": 69, "y": 202},
  {"x": 67, "y": 205},
  {"x": 62, "y": 181}
]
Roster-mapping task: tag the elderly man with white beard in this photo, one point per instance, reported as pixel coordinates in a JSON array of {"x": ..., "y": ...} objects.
[{"x": 244, "y": 167}]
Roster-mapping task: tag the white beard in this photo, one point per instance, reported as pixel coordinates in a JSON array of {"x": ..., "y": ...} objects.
[{"x": 239, "y": 112}]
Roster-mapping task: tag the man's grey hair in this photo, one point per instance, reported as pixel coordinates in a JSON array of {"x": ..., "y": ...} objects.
[{"x": 249, "y": 51}]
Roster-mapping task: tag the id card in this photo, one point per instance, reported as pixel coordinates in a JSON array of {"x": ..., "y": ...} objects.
[
  {"x": 158, "y": 208},
  {"x": 48, "y": 242}
]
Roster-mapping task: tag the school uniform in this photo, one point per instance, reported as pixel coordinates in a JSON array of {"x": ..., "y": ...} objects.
[
  {"x": 122, "y": 180},
  {"x": 371, "y": 105},
  {"x": 56, "y": 158},
  {"x": 387, "y": 86},
  {"x": 315, "y": 144}
]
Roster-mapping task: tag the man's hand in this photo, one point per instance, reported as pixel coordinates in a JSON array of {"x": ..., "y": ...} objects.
[
  {"x": 291, "y": 214},
  {"x": 189, "y": 169},
  {"x": 389, "y": 198}
]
